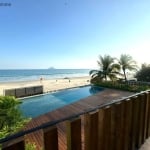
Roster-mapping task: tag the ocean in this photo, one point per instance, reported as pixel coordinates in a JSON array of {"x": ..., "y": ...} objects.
[{"x": 36, "y": 74}]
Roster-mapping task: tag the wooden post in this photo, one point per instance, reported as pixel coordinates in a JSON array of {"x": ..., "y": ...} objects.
[
  {"x": 127, "y": 123},
  {"x": 87, "y": 131},
  {"x": 50, "y": 138},
  {"x": 146, "y": 116},
  {"x": 91, "y": 131},
  {"x": 144, "y": 121},
  {"x": 148, "y": 121},
  {"x": 107, "y": 128},
  {"x": 100, "y": 129},
  {"x": 15, "y": 144},
  {"x": 134, "y": 123},
  {"x": 113, "y": 127},
  {"x": 119, "y": 112},
  {"x": 74, "y": 134},
  {"x": 140, "y": 101}
]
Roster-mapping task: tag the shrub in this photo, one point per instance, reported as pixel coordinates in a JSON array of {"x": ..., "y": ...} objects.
[
  {"x": 143, "y": 74},
  {"x": 122, "y": 86},
  {"x": 11, "y": 118},
  {"x": 30, "y": 146}
]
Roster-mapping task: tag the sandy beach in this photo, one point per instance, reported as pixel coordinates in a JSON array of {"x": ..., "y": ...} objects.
[{"x": 48, "y": 85}]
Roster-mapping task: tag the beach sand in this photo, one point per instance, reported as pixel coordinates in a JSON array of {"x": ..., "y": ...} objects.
[{"x": 48, "y": 85}]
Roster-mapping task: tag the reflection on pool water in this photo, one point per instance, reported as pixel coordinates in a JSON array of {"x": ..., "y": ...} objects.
[{"x": 35, "y": 106}]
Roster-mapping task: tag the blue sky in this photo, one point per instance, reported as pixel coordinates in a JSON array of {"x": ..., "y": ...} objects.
[{"x": 72, "y": 33}]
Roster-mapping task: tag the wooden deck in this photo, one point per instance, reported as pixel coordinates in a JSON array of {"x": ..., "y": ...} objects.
[{"x": 90, "y": 102}]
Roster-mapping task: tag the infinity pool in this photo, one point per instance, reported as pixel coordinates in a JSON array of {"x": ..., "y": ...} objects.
[{"x": 38, "y": 105}]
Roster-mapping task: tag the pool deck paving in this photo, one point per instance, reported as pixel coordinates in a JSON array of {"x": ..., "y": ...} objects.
[{"x": 80, "y": 106}]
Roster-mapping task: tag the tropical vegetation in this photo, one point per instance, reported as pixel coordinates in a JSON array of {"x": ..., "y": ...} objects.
[
  {"x": 108, "y": 68},
  {"x": 144, "y": 73},
  {"x": 11, "y": 118},
  {"x": 113, "y": 73},
  {"x": 30, "y": 146},
  {"x": 123, "y": 86},
  {"x": 126, "y": 62},
  {"x": 111, "y": 69}
]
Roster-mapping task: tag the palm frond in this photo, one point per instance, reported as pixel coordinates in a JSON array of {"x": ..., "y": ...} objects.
[{"x": 93, "y": 71}]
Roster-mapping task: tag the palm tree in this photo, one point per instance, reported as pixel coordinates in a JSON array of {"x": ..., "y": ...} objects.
[
  {"x": 108, "y": 68},
  {"x": 127, "y": 63}
]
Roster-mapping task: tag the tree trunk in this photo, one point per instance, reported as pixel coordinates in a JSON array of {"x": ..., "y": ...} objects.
[
  {"x": 125, "y": 77},
  {"x": 105, "y": 77}
]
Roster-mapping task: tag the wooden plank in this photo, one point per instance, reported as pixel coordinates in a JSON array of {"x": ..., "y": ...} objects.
[
  {"x": 38, "y": 90},
  {"x": 29, "y": 91},
  {"x": 91, "y": 131},
  {"x": 107, "y": 128},
  {"x": 119, "y": 112},
  {"x": 127, "y": 123},
  {"x": 94, "y": 130},
  {"x": 50, "y": 138},
  {"x": 74, "y": 134},
  {"x": 146, "y": 116},
  {"x": 16, "y": 144},
  {"x": 148, "y": 121},
  {"x": 100, "y": 129},
  {"x": 143, "y": 116},
  {"x": 113, "y": 127},
  {"x": 141, "y": 121},
  {"x": 87, "y": 126},
  {"x": 20, "y": 92},
  {"x": 134, "y": 123},
  {"x": 10, "y": 92}
]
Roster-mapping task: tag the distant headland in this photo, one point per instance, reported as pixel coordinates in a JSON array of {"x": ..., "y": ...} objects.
[{"x": 51, "y": 68}]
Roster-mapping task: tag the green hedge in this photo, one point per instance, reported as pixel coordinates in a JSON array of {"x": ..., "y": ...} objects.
[{"x": 121, "y": 86}]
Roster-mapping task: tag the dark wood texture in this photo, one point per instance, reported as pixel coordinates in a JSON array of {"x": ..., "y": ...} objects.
[
  {"x": 50, "y": 138},
  {"x": 16, "y": 144},
  {"x": 91, "y": 130},
  {"x": 74, "y": 134}
]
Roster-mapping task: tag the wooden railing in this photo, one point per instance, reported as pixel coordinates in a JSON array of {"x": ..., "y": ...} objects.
[{"x": 121, "y": 125}]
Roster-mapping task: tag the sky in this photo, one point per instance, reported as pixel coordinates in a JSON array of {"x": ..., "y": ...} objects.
[{"x": 72, "y": 33}]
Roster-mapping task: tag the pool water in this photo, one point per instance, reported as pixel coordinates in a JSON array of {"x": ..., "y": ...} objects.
[{"x": 38, "y": 105}]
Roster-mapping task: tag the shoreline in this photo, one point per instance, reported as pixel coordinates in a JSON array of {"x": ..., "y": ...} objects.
[
  {"x": 37, "y": 79},
  {"x": 49, "y": 85}
]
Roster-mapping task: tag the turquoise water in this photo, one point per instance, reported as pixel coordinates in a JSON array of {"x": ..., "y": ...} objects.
[
  {"x": 36, "y": 74},
  {"x": 35, "y": 106}
]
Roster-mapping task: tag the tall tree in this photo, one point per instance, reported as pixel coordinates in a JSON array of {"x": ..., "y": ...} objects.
[
  {"x": 144, "y": 73},
  {"x": 108, "y": 68},
  {"x": 126, "y": 62}
]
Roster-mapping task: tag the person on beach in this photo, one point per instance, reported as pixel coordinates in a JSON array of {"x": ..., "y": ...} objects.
[{"x": 41, "y": 79}]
